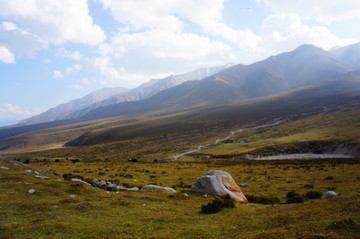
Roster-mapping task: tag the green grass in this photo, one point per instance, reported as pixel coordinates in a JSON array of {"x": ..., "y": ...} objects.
[
  {"x": 341, "y": 125},
  {"x": 94, "y": 213}
]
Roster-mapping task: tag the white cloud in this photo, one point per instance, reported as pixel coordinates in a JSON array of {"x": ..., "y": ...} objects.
[
  {"x": 57, "y": 74},
  {"x": 323, "y": 11},
  {"x": 110, "y": 75},
  {"x": 73, "y": 68},
  {"x": 16, "y": 112},
  {"x": 284, "y": 32},
  {"x": 84, "y": 80},
  {"x": 79, "y": 87},
  {"x": 9, "y": 26},
  {"x": 6, "y": 56},
  {"x": 19, "y": 41},
  {"x": 155, "y": 40},
  {"x": 170, "y": 16},
  {"x": 63, "y": 53},
  {"x": 138, "y": 57},
  {"x": 35, "y": 24}
]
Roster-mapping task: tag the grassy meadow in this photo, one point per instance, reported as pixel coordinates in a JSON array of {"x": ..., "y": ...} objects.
[
  {"x": 66, "y": 209},
  {"x": 59, "y": 209}
]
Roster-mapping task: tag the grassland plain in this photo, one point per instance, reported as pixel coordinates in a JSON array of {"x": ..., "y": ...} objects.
[
  {"x": 59, "y": 209},
  {"x": 66, "y": 209}
]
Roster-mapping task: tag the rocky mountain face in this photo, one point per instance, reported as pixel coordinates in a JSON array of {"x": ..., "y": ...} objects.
[
  {"x": 304, "y": 66},
  {"x": 349, "y": 54},
  {"x": 150, "y": 88},
  {"x": 63, "y": 111},
  {"x": 109, "y": 96}
]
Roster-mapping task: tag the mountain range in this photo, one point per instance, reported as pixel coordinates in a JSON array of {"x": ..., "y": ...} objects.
[
  {"x": 303, "y": 80},
  {"x": 109, "y": 96},
  {"x": 305, "y": 65}
]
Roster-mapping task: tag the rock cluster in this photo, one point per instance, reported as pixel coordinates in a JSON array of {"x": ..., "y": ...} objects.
[
  {"x": 109, "y": 186},
  {"x": 218, "y": 183}
]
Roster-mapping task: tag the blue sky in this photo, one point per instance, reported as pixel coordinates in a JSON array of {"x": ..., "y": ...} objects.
[{"x": 53, "y": 51}]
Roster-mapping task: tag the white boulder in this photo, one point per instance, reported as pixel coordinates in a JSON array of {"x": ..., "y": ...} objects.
[
  {"x": 329, "y": 194},
  {"x": 218, "y": 183}
]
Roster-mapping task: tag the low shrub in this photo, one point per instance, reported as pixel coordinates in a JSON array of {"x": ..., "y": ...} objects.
[
  {"x": 217, "y": 205},
  {"x": 313, "y": 195},
  {"x": 294, "y": 197},
  {"x": 262, "y": 199}
]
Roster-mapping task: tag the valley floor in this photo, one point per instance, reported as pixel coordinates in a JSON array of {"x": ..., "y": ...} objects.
[{"x": 67, "y": 209}]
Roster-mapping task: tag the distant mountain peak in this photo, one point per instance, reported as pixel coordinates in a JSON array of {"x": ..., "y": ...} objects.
[{"x": 349, "y": 54}]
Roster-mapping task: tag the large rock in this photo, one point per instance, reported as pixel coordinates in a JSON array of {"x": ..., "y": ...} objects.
[
  {"x": 158, "y": 188},
  {"x": 218, "y": 183},
  {"x": 329, "y": 194}
]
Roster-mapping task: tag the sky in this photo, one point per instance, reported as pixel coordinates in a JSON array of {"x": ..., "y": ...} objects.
[{"x": 53, "y": 51}]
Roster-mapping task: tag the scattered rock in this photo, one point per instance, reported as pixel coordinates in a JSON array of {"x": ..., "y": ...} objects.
[
  {"x": 218, "y": 183},
  {"x": 120, "y": 188},
  {"x": 79, "y": 180},
  {"x": 102, "y": 184},
  {"x": 95, "y": 183},
  {"x": 329, "y": 194},
  {"x": 46, "y": 171},
  {"x": 41, "y": 176},
  {"x": 158, "y": 188},
  {"x": 111, "y": 187},
  {"x": 31, "y": 190},
  {"x": 3, "y": 167},
  {"x": 244, "y": 185},
  {"x": 29, "y": 171}
]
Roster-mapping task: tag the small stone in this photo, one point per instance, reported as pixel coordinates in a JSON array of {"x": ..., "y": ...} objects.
[
  {"x": 158, "y": 188},
  {"x": 4, "y": 167},
  {"x": 31, "y": 190},
  {"x": 41, "y": 177},
  {"x": 72, "y": 195},
  {"x": 244, "y": 185},
  {"x": 102, "y": 184},
  {"x": 79, "y": 180},
  {"x": 186, "y": 195},
  {"x": 329, "y": 194},
  {"x": 111, "y": 187},
  {"x": 95, "y": 183},
  {"x": 29, "y": 171}
]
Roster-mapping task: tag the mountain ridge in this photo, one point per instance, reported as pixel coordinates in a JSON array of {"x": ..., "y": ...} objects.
[
  {"x": 108, "y": 96},
  {"x": 305, "y": 65}
]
